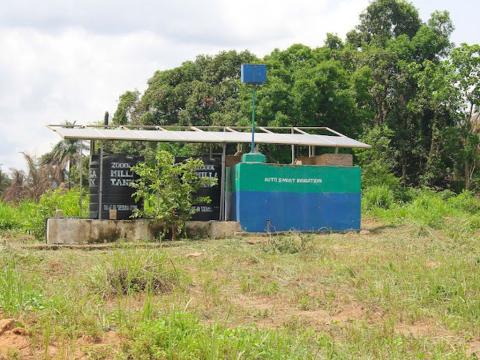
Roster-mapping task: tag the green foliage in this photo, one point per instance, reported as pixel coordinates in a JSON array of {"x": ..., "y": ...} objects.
[
  {"x": 180, "y": 335},
  {"x": 8, "y": 217},
  {"x": 66, "y": 201},
  {"x": 126, "y": 106},
  {"x": 169, "y": 190},
  {"x": 31, "y": 217},
  {"x": 384, "y": 19},
  {"x": 130, "y": 271},
  {"x": 378, "y": 196},
  {"x": 377, "y": 163},
  {"x": 395, "y": 80},
  {"x": 458, "y": 214}
]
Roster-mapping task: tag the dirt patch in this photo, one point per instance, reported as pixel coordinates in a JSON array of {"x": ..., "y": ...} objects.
[
  {"x": 473, "y": 349},
  {"x": 349, "y": 312},
  {"x": 194, "y": 255},
  {"x": 272, "y": 312},
  {"x": 432, "y": 264},
  {"x": 55, "y": 267},
  {"x": 422, "y": 329},
  {"x": 15, "y": 342}
]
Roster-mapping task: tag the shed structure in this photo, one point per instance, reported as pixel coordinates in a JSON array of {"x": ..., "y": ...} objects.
[{"x": 263, "y": 197}]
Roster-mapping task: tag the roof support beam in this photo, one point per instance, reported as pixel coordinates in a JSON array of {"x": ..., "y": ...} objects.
[{"x": 265, "y": 130}]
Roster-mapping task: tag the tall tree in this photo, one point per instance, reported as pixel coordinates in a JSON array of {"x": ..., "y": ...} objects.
[{"x": 63, "y": 157}]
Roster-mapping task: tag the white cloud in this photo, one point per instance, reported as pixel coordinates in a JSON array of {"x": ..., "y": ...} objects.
[{"x": 70, "y": 60}]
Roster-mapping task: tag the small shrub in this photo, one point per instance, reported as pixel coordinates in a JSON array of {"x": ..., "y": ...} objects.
[
  {"x": 292, "y": 243},
  {"x": 458, "y": 214},
  {"x": 131, "y": 271},
  {"x": 67, "y": 201},
  {"x": 31, "y": 217},
  {"x": 8, "y": 217},
  {"x": 465, "y": 201},
  {"x": 379, "y": 196},
  {"x": 170, "y": 190}
]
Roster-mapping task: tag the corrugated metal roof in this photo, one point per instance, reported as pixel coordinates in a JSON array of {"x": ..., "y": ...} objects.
[{"x": 196, "y": 135}]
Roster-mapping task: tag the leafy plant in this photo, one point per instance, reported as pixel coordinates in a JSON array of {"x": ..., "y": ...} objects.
[
  {"x": 60, "y": 199},
  {"x": 378, "y": 196},
  {"x": 169, "y": 190}
]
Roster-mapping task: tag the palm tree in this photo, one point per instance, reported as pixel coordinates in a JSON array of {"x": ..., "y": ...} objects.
[
  {"x": 64, "y": 155},
  {"x": 33, "y": 183}
]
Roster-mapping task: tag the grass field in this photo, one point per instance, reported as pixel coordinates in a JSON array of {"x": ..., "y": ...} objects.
[{"x": 393, "y": 291}]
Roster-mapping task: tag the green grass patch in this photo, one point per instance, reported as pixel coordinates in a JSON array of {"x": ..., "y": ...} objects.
[
  {"x": 181, "y": 335},
  {"x": 130, "y": 271}
]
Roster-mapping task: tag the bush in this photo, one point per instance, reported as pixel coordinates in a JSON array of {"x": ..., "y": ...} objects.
[
  {"x": 425, "y": 207},
  {"x": 169, "y": 190},
  {"x": 60, "y": 199},
  {"x": 133, "y": 271},
  {"x": 31, "y": 217},
  {"x": 465, "y": 201},
  {"x": 8, "y": 217},
  {"x": 379, "y": 196}
]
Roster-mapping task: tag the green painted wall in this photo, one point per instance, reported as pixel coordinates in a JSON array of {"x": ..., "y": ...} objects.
[{"x": 290, "y": 178}]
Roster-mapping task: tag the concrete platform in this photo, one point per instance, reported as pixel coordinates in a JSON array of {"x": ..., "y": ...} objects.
[{"x": 87, "y": 231}]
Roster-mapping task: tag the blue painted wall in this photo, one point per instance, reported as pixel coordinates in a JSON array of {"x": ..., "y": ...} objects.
[{"x": 283, "y": 211}]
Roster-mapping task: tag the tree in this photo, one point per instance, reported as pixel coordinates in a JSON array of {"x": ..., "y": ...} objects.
[
  {"x": 169, "y": 190},
  {"x": 386, "y": 19},
  {"x": 466, "y": 62},
  {"x": 126, "y": 107},
  {"x": 392, "y": 71},
  {"x": 63, "y": 156}
]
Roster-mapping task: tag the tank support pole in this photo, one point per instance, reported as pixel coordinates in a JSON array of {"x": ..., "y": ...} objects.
[
  {"x": 100, "y": 184},
  {"x": 80, "y": 164},
  {"x": 293, "y": 149},
  {"x": 222, "y": 184}
]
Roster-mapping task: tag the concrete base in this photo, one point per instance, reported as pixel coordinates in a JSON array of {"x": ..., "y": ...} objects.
[{"x": 88, "y": 231}]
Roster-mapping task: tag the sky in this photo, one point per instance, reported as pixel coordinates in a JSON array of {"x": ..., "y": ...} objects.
[{"x": 71, "y": 59}]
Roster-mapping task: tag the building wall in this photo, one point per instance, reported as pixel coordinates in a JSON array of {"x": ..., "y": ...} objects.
[{"x": 268, "y": 197}]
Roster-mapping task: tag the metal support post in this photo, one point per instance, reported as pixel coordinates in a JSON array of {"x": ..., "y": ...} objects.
[
  {"x": 222, "y": 184},
  {"x": 80, "y": 164},
  {"x": 293, "y": 149},
  {"x": 100, "y": 184},
  {"x": 254, "y": 94}
]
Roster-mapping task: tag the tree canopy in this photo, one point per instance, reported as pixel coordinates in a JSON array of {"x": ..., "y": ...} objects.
[{"x": 393, "y": 76}]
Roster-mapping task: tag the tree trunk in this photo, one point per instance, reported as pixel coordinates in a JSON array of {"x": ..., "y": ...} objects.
[{"x": 467, "y": 175}]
